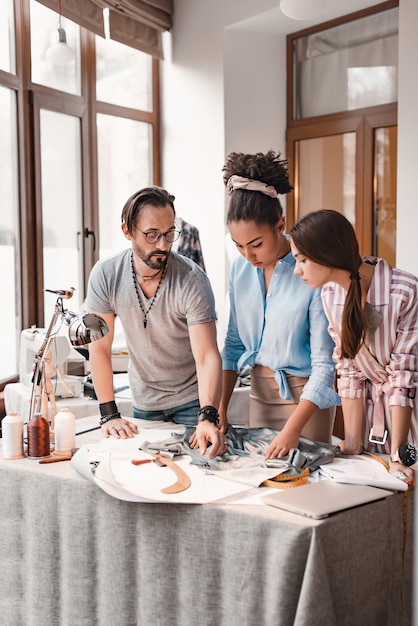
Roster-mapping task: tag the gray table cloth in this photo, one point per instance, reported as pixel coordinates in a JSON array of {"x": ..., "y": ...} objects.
[{"x": 71, "y": 555}]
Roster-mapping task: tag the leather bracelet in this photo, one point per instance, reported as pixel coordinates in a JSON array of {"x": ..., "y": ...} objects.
[
  {"x": 208, "y": 414},
  {"x": 108, "y": 408},
  {"x": 108, "y": 411}
]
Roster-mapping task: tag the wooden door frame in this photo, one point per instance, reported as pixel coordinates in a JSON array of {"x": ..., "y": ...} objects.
[{"x": 363, "y": 123}]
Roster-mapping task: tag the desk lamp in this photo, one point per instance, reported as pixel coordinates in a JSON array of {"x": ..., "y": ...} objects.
[{"x": 82, "y": 330}]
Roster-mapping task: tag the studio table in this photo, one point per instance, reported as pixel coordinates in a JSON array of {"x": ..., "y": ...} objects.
[{"x": 72, "y": 555}]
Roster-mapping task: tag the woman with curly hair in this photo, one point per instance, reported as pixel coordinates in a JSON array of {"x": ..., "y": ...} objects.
[
  {"x": 277, "y": 325},
  {"x": 373, "y": 318}
]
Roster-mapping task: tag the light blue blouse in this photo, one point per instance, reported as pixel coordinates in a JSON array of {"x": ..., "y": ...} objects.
[{"x": 285, "y": 330}]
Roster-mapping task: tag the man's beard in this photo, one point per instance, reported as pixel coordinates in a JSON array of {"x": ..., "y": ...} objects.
[{"x": 150, "y": 259}]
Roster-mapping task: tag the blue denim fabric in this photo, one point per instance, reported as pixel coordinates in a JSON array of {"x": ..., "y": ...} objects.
[
  {"x": 253, "y": 443},
  {"x": 182, "y": 414}
]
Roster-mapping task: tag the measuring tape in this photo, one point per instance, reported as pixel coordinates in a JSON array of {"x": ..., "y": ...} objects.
[{"x": 281, "y": 481}]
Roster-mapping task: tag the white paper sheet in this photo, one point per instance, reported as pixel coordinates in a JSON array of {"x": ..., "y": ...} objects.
[
  {"x": 118, "y": 477},
  {"x": 362, "y": 470}
]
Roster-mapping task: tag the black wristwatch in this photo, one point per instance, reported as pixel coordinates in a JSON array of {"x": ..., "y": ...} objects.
[
  {"x": 209, "y": 414},
  {"x": 405, "y": 454}
]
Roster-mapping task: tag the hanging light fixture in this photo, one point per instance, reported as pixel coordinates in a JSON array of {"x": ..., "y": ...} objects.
[
  {"x": 303, "y": 9},
  {"x": 60, "y": 53}
]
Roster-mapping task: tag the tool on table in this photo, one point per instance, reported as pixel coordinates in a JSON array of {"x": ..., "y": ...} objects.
[
  {"x": 56, "y": 458},
  {"x": 141, "y": 461},
  {"x": 183, "y": 480}
]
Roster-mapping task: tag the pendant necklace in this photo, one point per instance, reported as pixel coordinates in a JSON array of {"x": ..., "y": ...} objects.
[{"x": 145, "y": 312}]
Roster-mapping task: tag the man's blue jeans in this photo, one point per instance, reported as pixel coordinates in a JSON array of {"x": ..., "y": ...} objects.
[{"x": 182, "y": 414}]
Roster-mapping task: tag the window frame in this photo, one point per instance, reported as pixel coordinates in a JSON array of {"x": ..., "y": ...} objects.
[
  {"x": 361, "y": 121},
  {"x": 30, "y": 98}
]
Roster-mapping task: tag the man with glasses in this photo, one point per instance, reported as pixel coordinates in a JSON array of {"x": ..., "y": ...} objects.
[{"x": 166, "y": 307}]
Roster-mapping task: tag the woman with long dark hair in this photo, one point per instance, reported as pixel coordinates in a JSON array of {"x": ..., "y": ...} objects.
[{"x": 372, "y": 310}]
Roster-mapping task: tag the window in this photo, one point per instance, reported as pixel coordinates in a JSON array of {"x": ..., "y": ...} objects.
[
  {"x": 124, "y": 143},
  {"x": 72, "y": 152},
  {"x": 10, "y": 316},
  {"x": 341, "y": 128},
  {"x": 348, "y": 66}
]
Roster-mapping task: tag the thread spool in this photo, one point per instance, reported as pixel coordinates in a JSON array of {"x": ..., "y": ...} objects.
[
  {"x": 64, "y": 431},
  {"x": 39, "y": 445},
  {"x": 12, "y": 427}
]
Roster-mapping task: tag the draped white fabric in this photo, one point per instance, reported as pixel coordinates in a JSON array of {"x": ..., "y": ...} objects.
[{"x": 347, "y": 67}]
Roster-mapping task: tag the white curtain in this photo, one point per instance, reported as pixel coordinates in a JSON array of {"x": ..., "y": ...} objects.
[{"x": 347, "y": 67}]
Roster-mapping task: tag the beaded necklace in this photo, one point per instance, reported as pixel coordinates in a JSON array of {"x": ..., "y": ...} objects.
[{"x": 145, "y": 312}]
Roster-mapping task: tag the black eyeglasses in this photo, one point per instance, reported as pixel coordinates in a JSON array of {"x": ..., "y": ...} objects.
[{"x": 154, "y": 236}]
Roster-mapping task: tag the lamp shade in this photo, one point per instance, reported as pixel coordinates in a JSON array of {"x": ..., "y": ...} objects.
[
  {"x": 85, "y": 328},
  {"x": 303, "y": 9},
  {"x": 60, "y": 53}
]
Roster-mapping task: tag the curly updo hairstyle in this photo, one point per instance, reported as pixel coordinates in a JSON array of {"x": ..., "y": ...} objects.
[{"x": 256, "y": 206}]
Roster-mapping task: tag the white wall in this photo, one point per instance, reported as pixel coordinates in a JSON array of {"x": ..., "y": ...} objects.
[
  {"x": 254, "y": 91},
  {"x": 194, "y": 114},
  {"x": 224, "y": 89},
  {"x": 407, "y": 179}
]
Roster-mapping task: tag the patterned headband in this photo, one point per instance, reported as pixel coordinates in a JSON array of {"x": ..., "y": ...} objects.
[{"x": 239, "y": 182}]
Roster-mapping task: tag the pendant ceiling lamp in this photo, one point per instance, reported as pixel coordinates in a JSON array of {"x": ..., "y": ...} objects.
[
  {"x": 60, "y": 53},
  {"x": 303, "y": 9}
]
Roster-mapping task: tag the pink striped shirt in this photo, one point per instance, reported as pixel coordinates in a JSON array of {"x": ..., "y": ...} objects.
[{"x": 394, "y": 344}]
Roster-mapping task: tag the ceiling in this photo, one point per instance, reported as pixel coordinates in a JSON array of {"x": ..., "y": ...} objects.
[{"x": 274, "y": 21}]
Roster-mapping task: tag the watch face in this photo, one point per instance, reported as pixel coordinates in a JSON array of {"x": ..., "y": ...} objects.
[{"x": 407, "y": 455}]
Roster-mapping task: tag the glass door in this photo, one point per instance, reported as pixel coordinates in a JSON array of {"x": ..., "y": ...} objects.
[
  {"x": 10, "y": 314},
  {"x": 341, "y": 123},
  {"x": 61, "y": 193},
  {"x": 60, "y": 240},
  {"x": 325, "y": 175},
  {"x": 348, "y": 165},
  {"x": 384, "y": 192}
]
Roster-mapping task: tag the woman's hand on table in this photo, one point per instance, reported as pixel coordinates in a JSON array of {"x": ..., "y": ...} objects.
[
  {"x": 119, "y": 429},
  {"x": 401, "y": 471},
  {"x": 282, "y": 444},
  {"x": 351, "y": 446},
  {"x": 223, "y": 422}
]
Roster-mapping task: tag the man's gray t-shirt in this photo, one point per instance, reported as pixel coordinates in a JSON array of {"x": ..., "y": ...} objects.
[{"x": 162, "y": 370}]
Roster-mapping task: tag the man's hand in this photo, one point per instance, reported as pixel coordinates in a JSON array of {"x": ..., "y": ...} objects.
[
  {"x": 206, "y": 433},
  {"x": 119, "y": 429}
]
